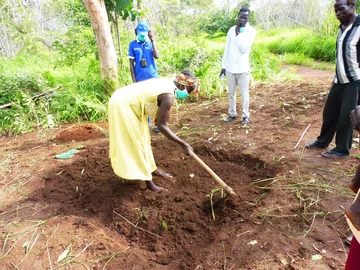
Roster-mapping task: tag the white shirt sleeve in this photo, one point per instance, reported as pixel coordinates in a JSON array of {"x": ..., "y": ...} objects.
[{"x": 226, "y": 51}]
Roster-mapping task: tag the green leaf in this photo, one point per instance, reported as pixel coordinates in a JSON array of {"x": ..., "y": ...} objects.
[
  {"x": 122, "y": 5},
  {"x": 133, "y": 16},
  {"x": 316, "y": 257},
  {"x": 164, "y": 224}
]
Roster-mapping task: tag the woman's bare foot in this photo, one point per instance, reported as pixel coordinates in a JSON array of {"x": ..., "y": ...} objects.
[
  {"x": 162, "y": 174},
  {"x": 353, "y": 213},
  {"x": 150, "y": 185}
]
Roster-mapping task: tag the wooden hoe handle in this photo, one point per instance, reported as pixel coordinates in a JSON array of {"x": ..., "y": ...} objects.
[{"x": 228, "y": 189}]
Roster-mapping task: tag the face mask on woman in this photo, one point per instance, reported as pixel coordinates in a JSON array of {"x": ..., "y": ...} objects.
[{"x": 181, "y": 94}]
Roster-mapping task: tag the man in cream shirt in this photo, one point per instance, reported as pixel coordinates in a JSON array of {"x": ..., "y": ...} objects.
[{"x": 236, "y": 63}]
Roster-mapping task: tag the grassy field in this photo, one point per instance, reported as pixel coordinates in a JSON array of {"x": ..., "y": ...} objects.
[{"x": 81, "y": 95}]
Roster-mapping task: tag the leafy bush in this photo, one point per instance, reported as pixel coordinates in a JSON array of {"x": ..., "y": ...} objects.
[
  {"x": 10, "y": 86},
  {"x": 264, "y": 65},
  {"x": 79, "y": 42},
  {"x": 83, "y": 97},
  {"x": 80, "y": 100},
  {"x": 219, "y": 21},
  {"x": 25, "y": 115}
]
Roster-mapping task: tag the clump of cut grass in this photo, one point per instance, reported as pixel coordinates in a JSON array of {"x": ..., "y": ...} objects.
[
  {"x": 19, "y": 178},
  {"x": 307, "y": 190},
  {"x": 287, "y": 183}
]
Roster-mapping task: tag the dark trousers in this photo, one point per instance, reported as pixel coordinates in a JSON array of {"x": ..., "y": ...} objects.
[{"x": 342, "y": 99}]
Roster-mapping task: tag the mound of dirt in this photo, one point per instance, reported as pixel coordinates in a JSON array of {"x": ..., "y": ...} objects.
[
  {"x": 80, "y": 133},
  {"x": 77, "y": 213}
]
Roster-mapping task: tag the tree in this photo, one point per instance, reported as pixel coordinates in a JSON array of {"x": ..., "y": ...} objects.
[
  {"x": 106, "y": 49},
  {"x": 101, "y": 12},
  {"x": 28, "y": 26},
  {"x": 288, "y": 13},
  {"x": 123, "y": 9}
]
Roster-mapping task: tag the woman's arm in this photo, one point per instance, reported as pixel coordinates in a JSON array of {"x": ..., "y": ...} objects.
[{"x": 165, "y": 102}]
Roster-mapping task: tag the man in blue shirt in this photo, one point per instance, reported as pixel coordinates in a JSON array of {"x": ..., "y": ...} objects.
[{"x": 142, "y": 55}]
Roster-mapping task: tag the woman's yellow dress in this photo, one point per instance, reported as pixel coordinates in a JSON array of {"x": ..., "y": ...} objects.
[{"x": 130, "y": 143}]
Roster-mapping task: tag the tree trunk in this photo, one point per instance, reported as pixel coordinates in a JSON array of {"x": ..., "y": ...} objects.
[
  {"x": 117, "y": 34},
  {"x": 107, "y": 54}
]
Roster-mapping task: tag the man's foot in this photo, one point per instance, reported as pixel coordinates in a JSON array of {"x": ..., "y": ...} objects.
[
  {"x": 315, "y": 145},
  {"x": 150, "y": 185},
  {"x": 156, "y": 130},
  {"x": 230, "y": 118},
  {"x": 353, "y": 213},
  {"x": 245, "y": 120},
  {"x": 162, "y": 174},
  {"x": 334, "y": 154}
]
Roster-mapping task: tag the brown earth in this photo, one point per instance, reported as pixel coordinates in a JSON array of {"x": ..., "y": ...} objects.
[{"x": 289, "y": 203}]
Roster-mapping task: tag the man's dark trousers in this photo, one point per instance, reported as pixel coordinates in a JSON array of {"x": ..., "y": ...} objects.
[{"x": 342, "y": 99}]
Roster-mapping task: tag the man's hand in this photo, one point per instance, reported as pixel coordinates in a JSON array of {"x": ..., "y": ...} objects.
[
  {"x": 222, "y": 73},
  {"x": 150, "y": 34},
  {"x": 237, "y": 30}
]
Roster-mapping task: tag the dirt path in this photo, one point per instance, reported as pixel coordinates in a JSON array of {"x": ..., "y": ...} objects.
[{"x": 289, "y": 205}]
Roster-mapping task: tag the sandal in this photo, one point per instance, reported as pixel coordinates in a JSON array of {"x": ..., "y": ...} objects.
[
  {"x": 334, "y": 154},
  {"x": 230, "y": 118}
]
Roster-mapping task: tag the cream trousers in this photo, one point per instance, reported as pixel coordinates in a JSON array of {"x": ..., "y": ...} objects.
[{"x": 242, "y": 81}]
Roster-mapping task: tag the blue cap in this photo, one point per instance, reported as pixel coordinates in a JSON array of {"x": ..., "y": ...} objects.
[{"x": 142, "y": 28}]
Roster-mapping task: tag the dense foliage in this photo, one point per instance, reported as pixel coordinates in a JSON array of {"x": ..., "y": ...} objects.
[{"x": 65, "y": 55}]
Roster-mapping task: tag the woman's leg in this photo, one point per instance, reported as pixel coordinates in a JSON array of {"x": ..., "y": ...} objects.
[
  {"x": 150, "y": 185},
  {"x": 353, "y": 213},
  {"x": 355, "y": 182}
]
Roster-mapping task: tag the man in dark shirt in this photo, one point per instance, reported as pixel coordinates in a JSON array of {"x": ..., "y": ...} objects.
[{"x": 343, "y": 95}]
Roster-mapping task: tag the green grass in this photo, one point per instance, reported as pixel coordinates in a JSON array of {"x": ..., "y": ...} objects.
[
  {"x": 303, "y": 42},
  {"x": 83, "y": 95}
]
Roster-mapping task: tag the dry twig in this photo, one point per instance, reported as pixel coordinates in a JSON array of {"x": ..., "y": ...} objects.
[
  {"x": 34, "y": 97},
  {"x": 302, "y": 136}
]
